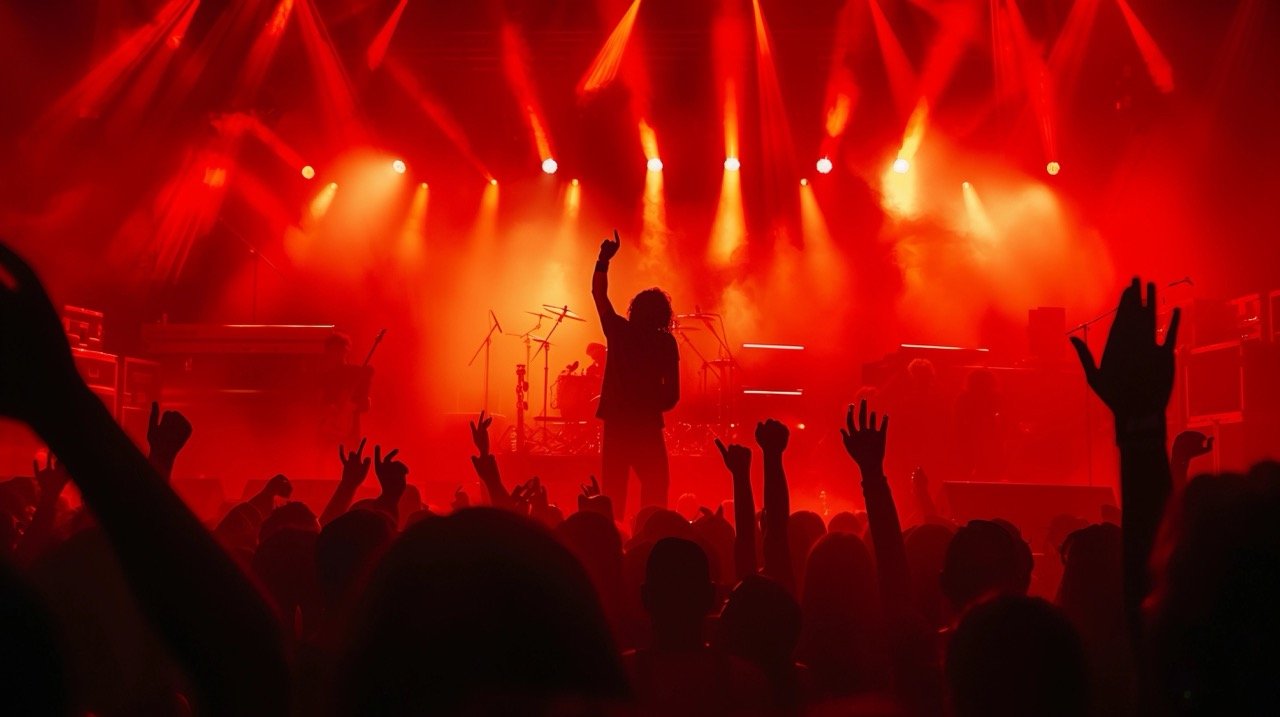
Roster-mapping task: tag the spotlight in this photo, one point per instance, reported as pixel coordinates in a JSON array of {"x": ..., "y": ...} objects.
[
  {"x": 732, "y": 164},
  {"x": 574, "y": 182},
  {"x": 398, "y": 166},
  {"x": 654, "y": 164},
  {"x": 493, "y": 182},
  {"x": 824, "y": 166},
  {"x": 424, "y": 185},
  {"x": 308, "y": 172},
  {"x": 550, "y": 166},
  {"x": 1053, "y": 168},
  {"x": 901, "y": 165},
  {"x": 804, "y": 182},
  {"x": 965, "y": 185}
]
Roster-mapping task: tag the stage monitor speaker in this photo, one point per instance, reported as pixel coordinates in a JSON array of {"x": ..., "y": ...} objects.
[
  {"x": 1215, "y": 382},
  {"x": 101, "y": 373}
]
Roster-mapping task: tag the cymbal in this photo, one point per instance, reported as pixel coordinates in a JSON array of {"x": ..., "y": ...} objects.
[
  {"x": 539, "y": 340},
  {"x": 680, "y": 327},
  {"x": 539, "y": 315},
  {"x": 562, "y": 311}
]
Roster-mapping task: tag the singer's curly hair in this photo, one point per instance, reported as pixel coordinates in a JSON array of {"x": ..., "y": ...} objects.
[{"x": 651, "y": 310}]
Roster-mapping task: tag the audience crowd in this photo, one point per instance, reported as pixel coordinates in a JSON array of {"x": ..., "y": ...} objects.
[{"x": 130, "y": 605}]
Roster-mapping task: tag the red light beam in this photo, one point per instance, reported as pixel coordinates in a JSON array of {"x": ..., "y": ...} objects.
[
  {"x": 604, "y": 68},
  {"x": 1157, "y": 65},
  {"x": 378, "y": 48}
]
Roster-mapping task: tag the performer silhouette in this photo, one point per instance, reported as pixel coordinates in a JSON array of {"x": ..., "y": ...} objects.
[{"x": 641, "y": 382}]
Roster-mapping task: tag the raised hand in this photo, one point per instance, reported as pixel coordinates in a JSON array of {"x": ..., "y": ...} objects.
[
  {"x": 736, "y": 458},
  {"x": 390, "y": 472},
  {"x": 520, "y": 496},
  {"x": 167, "y": 433},
  {"x": 460, "y": 500},
  {"x": 864, "y": 441},
  {"x": 537, "y": 495},
  {"x": 1135, "y": 376},
  {"x": 278, "y": 487},
  {"x": 706, "y": 513},
  {"x": 52, "y": 478},
  {"x": 355, "y": 466},
  {"x": 480, "y": 433},
  {"x": 592, "y": 501},
  {"x": 772, "y": 436},
  {"x": 609, "y": 247},
  {"x": 1190, "y": 444}
]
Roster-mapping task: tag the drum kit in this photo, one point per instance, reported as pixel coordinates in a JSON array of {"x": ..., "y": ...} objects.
[{"x": 577, "y": 394}]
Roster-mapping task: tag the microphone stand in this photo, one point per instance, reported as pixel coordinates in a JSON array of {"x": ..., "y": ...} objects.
[{"x": 484, "y": 346}]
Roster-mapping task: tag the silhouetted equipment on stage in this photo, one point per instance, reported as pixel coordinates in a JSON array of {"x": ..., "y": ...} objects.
[
  {"x": 1231, "y": 391},
  {"x": 233, "y": 340},
  {"x": 548, "y": 437},
  {"x": 84, "y": 327},
  {"x": 101, "y": 373},
  {"x": 576, "y": 395},
  {"x": 203, "y": 361},
  {"x": 126, "y": 385},
  {"x": 711, "y": 410}
]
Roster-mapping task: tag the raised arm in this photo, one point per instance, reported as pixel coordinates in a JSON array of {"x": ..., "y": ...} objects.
[
  {"x": 924, "y": 497},
  {"x": 355, "y": 468},
  {"x": 391, "y": 475},
  {"x": 166, "y": 435},
  {"x": 486, "y": 466},
  {"x": 738, "y": 460},
  {"x": 600, "y": 279},
  {"x": 1187, "y": 446},
  {"x": 865, "y": 442},
  {"x": 1134, "y": 380},
  {"x": 772, "y": 438},
  {"x": 210, "y": 616}
]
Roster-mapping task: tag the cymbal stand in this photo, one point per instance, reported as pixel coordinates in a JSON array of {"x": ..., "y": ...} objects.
[
  {"x": 706, "y": 364},
  {"x": 726, "y": 378},
  {"x": 545, "y": 350}
]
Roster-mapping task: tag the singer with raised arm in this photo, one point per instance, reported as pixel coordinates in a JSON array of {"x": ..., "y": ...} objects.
[{"x": 641, "y": 382}]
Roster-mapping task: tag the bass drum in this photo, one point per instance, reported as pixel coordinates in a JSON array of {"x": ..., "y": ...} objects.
[{"x": 576, "y": 397}]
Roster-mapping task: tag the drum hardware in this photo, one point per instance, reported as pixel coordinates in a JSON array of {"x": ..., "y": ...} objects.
[{"x": 560, "y": 313}]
